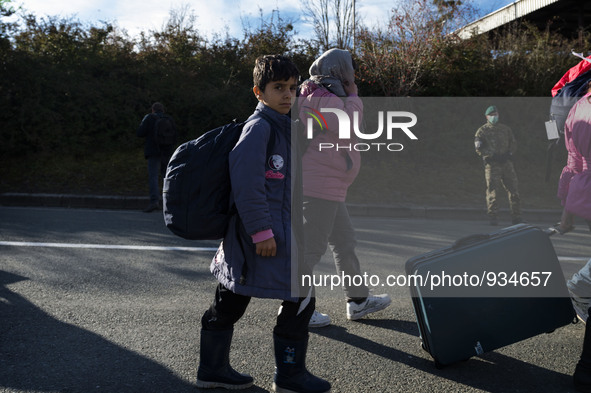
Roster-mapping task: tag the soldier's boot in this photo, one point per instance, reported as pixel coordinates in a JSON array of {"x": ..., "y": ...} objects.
[
  {"x": 517, "y": 220},
  {"x": 582, "y": 375},
  {"x": 214, "y": 362},
  {"x": 493, "y": 219},
  {"x": 291, "y": 375}
]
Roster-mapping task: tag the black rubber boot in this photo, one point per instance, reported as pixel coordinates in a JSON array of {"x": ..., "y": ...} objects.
[
  {"x": 582, "y": 376},
  {"x": 493, "y": 220},
  {"x": 214, "y": 362},
  {"x": 291, "y": 375}
]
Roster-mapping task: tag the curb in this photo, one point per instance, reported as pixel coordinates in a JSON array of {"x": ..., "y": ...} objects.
[
  {"x": 368, "y": 210},
  {"x": 455, "y": 213},
  {"x": 75, "y": 201}
]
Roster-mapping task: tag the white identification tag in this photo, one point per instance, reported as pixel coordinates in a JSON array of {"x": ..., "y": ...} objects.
[{"x": 552, "y": 130}]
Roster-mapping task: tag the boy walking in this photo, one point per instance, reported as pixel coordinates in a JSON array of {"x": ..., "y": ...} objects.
[{"x": 255, "y": 257}]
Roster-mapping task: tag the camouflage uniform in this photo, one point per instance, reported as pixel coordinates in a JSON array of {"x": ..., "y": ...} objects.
[{"x": 496, "y": 145}]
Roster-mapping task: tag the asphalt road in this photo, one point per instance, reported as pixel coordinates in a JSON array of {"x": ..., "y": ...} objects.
[{"x": 110, "y": 301}]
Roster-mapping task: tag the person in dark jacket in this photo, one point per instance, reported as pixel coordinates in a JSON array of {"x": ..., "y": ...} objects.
[
  {"x": 256, "y": 257},
  {"x": 157, "y": 154}
]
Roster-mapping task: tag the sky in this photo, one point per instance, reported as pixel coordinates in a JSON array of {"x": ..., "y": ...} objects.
[{"x": 213, "y": 16}]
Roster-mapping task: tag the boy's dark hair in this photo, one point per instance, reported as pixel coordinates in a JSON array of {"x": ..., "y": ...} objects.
[{"x": 270, "y": 68}]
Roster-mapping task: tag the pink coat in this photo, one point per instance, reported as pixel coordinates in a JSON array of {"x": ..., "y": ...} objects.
[
  {"x": 574, "y": 187},
  {"x": 328, "y": 173}
]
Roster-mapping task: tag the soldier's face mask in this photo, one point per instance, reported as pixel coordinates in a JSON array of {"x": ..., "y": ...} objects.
[{"x": 493, "y": 119}]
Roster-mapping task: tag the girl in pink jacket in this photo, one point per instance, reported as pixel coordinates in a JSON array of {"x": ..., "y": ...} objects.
[
  {"x": 574, "y": 190},
  {"x": 574, "y": 187},
  {"x": 327, "y": 175}
]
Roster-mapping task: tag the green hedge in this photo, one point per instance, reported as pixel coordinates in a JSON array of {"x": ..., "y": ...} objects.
[{"x": 72, "y": 96}]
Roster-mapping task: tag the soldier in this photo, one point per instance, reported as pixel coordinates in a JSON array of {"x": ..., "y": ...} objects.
[{"x": 495, "y": 143}]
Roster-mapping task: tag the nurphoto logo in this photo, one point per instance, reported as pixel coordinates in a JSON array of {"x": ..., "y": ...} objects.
[{"x": 395, "y": 122}]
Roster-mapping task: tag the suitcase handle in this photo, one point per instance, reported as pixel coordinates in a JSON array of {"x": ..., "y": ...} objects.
[{"x": 470, "y": 240}]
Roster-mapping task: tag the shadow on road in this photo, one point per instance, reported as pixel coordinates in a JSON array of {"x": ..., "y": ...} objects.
[
  {"x": 493, "y": 372},
  {"x": 41, "y": 353}
]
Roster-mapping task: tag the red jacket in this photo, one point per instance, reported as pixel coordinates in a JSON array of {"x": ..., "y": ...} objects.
[{"x": 571, "y": 75}]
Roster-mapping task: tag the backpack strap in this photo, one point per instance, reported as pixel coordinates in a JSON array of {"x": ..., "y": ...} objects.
[{"x": 271, "y": 142}]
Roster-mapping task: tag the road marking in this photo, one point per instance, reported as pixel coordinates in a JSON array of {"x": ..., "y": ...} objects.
[
  {"x": 573, "y": 259},
  {"x": 107, "y": 246},
  {"x": 163, "y": 248}
]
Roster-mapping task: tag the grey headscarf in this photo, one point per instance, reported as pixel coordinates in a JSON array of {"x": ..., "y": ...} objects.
[{"x": 332, "y": 69}]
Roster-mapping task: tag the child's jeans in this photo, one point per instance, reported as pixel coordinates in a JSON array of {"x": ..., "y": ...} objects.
[{"x": 227, "y": 308}]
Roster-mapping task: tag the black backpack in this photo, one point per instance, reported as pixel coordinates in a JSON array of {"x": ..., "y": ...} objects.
[
  {"x": 164, "y": 130},
  {"x": 197, "y": 191},
  {"x": 566, "y": 98}
]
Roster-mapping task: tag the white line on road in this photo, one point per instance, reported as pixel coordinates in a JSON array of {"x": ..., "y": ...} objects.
[
  {"x": 162, "y": 248},
  {"x": 573, "y": 259},
  {"x": 107, "y": 246}
]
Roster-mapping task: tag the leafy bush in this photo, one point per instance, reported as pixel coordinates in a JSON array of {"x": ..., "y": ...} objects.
[{"x": 73, "y": 95}]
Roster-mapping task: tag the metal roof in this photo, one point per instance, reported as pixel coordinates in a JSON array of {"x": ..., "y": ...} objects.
[{"x": 565, "y": 16}]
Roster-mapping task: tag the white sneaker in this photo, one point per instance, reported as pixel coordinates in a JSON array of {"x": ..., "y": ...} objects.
[
  {"x": 371, "y": 304},
  {"x": 581, "y": 306},
  {"x": 319, "y": 320}
]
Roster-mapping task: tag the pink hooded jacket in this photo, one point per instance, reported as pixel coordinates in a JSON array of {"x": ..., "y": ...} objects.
[
  {"x": 574, "y": 187},
  {"x": 328, "y": 173}
]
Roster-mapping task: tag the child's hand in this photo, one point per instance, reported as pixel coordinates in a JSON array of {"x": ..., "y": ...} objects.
[{"x": 267, "y": 248}]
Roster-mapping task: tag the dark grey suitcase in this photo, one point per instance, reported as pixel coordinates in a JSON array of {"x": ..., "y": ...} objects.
[{"x": 504, "y": 287}]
